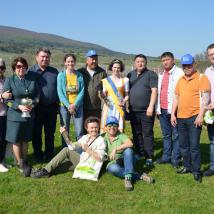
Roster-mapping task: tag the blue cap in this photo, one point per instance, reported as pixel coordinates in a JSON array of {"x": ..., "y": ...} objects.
[
  {"x": 112, "y": 120},
  {"x": 91, "y": 53},
  {"x": 187, "y": 59}
]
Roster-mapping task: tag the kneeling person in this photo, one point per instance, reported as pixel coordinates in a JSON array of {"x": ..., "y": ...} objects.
[
  {"x": 120, "y": 155},
  {"x": 89, "y": 145}
]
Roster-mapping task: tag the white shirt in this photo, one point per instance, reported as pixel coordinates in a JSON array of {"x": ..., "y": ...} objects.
[
  {"x": 174, "y": 75},
  {"x": 97, "y": 146},
  {"x": 91, "y": 72}
]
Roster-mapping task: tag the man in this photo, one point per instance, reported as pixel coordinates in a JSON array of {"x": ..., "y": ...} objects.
[
  {"x": 143, "y": 95},
  {"x": 92, "y": 75},
  {"x": 120, "y": 155},
  {"x": 210, "y": 127},
  {"x": 167, "y": 81},
  {"x": 46, "y": 111},
  {"x": 190, "y": 113}
]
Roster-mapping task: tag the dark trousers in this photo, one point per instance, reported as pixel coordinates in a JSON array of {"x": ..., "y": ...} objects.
[
  {"x": 45, "y": 116},
  {"x": 2, "y": 137},
  {"x": 143, "y": 135},
  {"x": 189, "y": 140}
]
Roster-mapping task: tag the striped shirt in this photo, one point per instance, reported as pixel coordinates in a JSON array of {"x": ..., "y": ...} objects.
[{"x": 164, "y": 91}]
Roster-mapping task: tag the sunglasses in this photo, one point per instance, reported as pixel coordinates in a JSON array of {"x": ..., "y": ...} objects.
[
  {"x": 2, "y": 67},
  {"x": 112, "y": 125},
  {"x": 20, "y": 66}
]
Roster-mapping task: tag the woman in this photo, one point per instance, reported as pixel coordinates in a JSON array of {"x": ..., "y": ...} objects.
[
  {"x": 120, "y": 155},
  {"x": 89, "y": 147},
  {"x": 115, "y": 94},
  {"x": 70, "y": 88},
  {"x": 20, "y": 115},
  {"x": 3, "y": 110}
]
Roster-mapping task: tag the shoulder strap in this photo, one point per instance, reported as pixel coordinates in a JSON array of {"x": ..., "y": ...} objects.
[
  {"x": 136, "y": 80},
  {"x": 93, "y": 140}
]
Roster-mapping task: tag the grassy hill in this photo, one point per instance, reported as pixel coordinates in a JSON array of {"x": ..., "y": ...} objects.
[{"x": 19, "y": 42}]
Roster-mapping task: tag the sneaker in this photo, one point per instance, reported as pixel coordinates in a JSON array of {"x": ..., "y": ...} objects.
[
  {"x": 148, "y": 179},
  {"x": 149, "y": 162},
  {"x": 3, "y": 168},
  {"x": 128, "y": 185},
  {"x": 209, "y": 172},
  {"x": 197, "y": 177},
  {"x": 161, "y": 161},
  {"x": 40, "y": 173},
  {"x": 184, "y": 170}
]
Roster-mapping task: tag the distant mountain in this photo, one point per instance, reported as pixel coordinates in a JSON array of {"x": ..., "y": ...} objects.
[{"x": 16, "y": 40}]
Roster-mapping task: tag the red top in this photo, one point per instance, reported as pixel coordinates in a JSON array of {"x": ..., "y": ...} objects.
[{"x": 164, "y": 91}]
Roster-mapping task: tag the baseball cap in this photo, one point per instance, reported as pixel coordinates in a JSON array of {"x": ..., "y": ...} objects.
[
  {"x": 112, "y": 120},
  {"x": 91, "y": 53},
  {"x": 187, "y": 59}
]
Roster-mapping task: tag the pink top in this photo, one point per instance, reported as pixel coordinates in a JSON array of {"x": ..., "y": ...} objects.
[
  {"x": 3, "y": 107},
  {"x": 164, "y": 91},
  {"x": 210, "y": 75}
]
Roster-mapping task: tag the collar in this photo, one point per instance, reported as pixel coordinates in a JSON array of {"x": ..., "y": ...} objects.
[
  {"x": 143, "y": 71},
  {"x": 194, "y": 76},
  {"x": 39, "y": 70},
  {"x": 107, "y": 137},
  {"x": 171, "y": 70}
]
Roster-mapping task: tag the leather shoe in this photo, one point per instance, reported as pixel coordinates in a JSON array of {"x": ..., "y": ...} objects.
[
  {"x": 184, "y": 170},
  {"x": 209, "y": 172},
  {"x": 197, "y": 177}
]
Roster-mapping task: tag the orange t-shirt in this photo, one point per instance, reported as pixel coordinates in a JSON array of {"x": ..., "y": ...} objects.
[{"x": 188, "y": 91}]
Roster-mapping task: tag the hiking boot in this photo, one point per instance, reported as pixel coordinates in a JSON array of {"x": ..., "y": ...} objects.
[
  {"x": 148, "y": 179},
  {"x": 25, "y": 168},
  {"x": 128, "y": 185},
  {"x": 40, "y": 173},
  {"x": 149, "y": 162}
]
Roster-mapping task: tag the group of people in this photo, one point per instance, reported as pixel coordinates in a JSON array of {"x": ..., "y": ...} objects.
[{"x": 98, "y": 104}]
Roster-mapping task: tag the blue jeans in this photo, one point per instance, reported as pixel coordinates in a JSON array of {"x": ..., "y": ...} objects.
[
  {"x": 189, "y": 139},
  {"x": 210, "y": 129},
  {"x": 171, "y": 150},
  {"x": 124, "y": 165},
  {"x": 65, "y": 118}
]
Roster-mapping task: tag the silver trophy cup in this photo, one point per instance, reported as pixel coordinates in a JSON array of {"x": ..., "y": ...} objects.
[{"x": 26, "y": 102}]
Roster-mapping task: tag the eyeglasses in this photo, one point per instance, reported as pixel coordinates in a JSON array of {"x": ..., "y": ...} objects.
[
  {"x": 20, "y": 66},
  {"x": 112, "y": 125},
  {"x": 2, "y": 67}
]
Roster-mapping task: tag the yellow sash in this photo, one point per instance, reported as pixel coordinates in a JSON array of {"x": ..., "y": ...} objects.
[{"x": 113, "y": 96}]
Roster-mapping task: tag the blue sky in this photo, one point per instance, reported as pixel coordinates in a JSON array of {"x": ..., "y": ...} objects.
[{"x": 129, "y": 26}]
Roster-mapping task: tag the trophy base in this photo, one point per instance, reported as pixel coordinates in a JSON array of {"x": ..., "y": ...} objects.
[{"x": 26, "y": 114}]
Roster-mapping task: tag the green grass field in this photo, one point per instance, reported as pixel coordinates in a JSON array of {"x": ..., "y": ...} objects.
[{"x": 60, "y": 193}]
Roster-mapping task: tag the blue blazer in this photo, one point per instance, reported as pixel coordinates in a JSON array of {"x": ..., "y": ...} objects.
[{"x": 61, "y": 89}]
